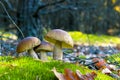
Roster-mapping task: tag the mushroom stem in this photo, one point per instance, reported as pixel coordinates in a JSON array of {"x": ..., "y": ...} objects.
[
  {"x": 33, "y": 54},
  {"x": 43, "y": 55},
  {"x": 57, "y": 51}
]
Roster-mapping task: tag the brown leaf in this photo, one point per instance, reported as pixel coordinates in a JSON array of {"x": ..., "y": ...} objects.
[
  {"x": 76, "y": 77},
  {"x": 100, "y": 63},
  {"x": 90, "y": 76},
  {"x": 80, "y": 76},
  {"x": 60, "y": 76},
  {"x": 70, "y": 75}
]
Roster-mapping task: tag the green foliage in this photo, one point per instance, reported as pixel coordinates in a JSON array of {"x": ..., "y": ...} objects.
[
  {"x": 113, "y": 58},
  {"x": 82, "y": 57},
  {"x": 7, "y": 35},
  {"x": 26, "y": 68},
  {"x": 94, "y": 39}
]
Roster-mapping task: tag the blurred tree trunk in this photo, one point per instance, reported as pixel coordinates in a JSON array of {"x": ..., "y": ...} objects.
[
  {"x": 90, "y": 16},
  {"x": 30, "y": 26}
]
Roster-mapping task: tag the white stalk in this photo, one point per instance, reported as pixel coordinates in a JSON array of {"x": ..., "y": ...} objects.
[
  {"x": 57, "y": 51},
  {"x": 33, "y": 54},
  {"x": 43, "y": 56}
]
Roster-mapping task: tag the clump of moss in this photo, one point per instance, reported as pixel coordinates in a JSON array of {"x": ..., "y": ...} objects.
[
  {"x": 26, "y": 68},
  {"x": 82, "y": 38},
  {"x": 114, "y": 58}
]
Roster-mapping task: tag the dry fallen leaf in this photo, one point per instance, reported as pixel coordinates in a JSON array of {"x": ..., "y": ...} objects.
[
  {"x": 90, "y": 76},
  {"x": 60, "y": 76},
  {"x": 79, "y": 74},
  {"x": 70, "y": 75},
  {"x": 101, "y": 63}
]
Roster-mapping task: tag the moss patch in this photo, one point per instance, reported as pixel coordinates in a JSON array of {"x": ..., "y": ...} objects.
[
  {"x": 26, "y": 68},
  {"x": 82, "y": 38}
]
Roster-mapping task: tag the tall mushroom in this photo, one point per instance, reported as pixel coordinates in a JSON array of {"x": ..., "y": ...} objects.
[
  {"x": 61, "y": 39},
  {"x": 27, "y": 44},
  {"x": 42, "y": 50}
]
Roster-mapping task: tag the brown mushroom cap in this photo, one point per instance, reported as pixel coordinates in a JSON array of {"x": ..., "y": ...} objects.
[
  {"x": 59, "y": 35},
  {"x": 44, "y": 46},
  {"x": 27, "y": 43}
]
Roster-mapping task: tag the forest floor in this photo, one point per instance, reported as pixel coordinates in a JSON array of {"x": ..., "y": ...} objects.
[{"x": 86, "y": 48}]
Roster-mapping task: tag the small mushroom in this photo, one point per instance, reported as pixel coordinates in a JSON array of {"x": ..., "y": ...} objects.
[
  {"x": 61, "y": 39},
  {"x": 42, "y": 50},
  {"x": 27, "y": 44}
]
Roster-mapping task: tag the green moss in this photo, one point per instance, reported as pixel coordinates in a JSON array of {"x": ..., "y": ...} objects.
[
  {"x": 114, "y": 58},
  {"x": 94, "y": 39},
  {"x": 28, "y": 69}
]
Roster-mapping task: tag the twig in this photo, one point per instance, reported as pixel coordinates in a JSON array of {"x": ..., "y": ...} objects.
[{"x": 11, "y": 19}]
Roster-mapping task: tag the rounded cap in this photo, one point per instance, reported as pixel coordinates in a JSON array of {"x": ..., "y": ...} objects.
[
  {"x": 44, "y": 46},
  {"x": 27, "y": 43},
  {"x": 59, "y": 35}
]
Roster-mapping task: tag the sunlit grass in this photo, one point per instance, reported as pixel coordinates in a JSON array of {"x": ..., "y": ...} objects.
[
  {"x": 83, "y": 38},
  {"x": 28, "y": 69},
  {"x": 114, "y": 57},
  {"x": 78, "y": 37}
]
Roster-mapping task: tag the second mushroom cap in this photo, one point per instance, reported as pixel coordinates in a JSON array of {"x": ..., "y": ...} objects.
[{"x": 44, "y": 46}]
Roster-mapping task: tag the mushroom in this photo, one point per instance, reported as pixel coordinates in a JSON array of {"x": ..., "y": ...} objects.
[
  {"x": 42, "y": 49},
  {"x": 27, "y": 44},
  {"x": 61, "y": 39}
]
